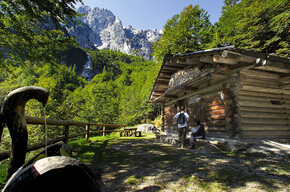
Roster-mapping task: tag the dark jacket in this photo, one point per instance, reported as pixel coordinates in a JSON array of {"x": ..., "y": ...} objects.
[{"x": 200, "y": 131}]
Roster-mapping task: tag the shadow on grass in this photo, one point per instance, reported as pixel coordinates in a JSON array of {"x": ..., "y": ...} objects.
[{"x": 143, "y": 164}]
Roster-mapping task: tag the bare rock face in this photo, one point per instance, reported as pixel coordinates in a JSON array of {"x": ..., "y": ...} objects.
[
  {"x": 55, "y": 174},
  {"x": 101, "y": 29}
]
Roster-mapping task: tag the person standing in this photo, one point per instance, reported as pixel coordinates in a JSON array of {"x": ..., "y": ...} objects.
[{"x": 182, "y": 118}]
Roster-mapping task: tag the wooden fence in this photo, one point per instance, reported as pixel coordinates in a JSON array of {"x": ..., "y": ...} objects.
[{"x": 65, "y": 135}]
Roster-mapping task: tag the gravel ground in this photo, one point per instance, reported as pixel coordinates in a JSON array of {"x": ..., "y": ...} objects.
[{"x": 148, "y": 165}]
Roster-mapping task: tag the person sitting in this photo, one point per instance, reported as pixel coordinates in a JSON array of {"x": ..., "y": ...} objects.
[{"x": 198, "y": 134}]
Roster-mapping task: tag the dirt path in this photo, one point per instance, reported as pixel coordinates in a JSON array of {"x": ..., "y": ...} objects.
[{"x": 147, "y": 165}]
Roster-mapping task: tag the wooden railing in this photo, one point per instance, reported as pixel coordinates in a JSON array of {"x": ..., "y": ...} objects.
[{"x": 65, "y": 135}]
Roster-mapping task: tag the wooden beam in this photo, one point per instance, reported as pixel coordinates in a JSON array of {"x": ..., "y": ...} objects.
[
  {"x": 206, "y": 59},
  {"x": 165, "y": 75},
  {"x": 193, "y": 61},
  {"x": 162, "y": 85},
  {"x": 217, "y": 58},
  {"x": 238, "y": 57},
  {"x": 172, "y": 68}
]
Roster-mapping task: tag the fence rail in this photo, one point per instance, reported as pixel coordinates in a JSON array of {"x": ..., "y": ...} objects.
[{"x": 65, "y": 135}]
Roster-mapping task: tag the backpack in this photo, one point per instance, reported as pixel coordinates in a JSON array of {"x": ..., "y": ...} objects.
[{"x": 181, "y": 118}]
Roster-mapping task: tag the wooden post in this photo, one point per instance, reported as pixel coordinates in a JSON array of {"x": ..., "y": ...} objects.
[
  {"x": 87, "y": 135},
  {"x": 104, "y": 129},
  {"x": 65, "y": 133}
]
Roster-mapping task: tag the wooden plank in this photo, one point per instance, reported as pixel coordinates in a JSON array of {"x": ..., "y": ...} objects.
[{"x": 273, "y": 128}]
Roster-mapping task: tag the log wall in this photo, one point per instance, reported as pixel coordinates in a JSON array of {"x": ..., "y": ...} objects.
[{"x": 260, "y": 106}]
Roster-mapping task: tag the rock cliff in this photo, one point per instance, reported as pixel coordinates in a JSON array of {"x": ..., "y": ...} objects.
[{"x": 101, "y": 29}]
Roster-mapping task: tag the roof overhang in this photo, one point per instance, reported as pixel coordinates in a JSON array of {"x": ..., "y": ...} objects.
[{"x": 230, "y": 59}]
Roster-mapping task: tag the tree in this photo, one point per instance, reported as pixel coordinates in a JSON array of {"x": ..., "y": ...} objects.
[
  {"x": 190, "y": 30},
  {"x": 31, "y": 30},
  {"x": 260, "y": 25}
]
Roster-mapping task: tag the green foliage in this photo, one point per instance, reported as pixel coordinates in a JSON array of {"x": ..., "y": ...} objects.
[
  {"x": 119, "y": 93},
  {"x": 30, "y": 30},
  {"x": 259, "y": 25},
  {"x": 188, "y": 31}
]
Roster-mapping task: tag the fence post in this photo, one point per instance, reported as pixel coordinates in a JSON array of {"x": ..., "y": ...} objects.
[
  {"x": 104, "y": 129},
  {"x": 65, "y": 133},
  {"x": 87, "y": 135}
]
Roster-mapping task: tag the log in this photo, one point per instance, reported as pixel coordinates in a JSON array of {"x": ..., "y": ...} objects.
[
  {"x": 285, "y": 86},
  {"x": 165, "y": 75},
  {"x": 216, "y": 123},
  {"x": 285, "y": 79},
  {"x": 253, "y": 98},
  {"x": 259, "y": 82},
  {"x": 216, "y": 129},
  {"x": 217, "y": 117},
  {"x": 273, "y": 69},
  {"x": 265, "y": 127},
  {"x": 217, "y": 107},
  {"x": 262, "y": 134},
  {"x": 216, "y": 102},
  {"x": 260, "y": 74},
  {"x": 262, "y": 89},
  {"x": 256, "y": 121},
  {"x": 261, "y": 109},
  {"x": 258, "y": 104},
  {"x": 215, "y": 76},
  {"x": 217, "y": 112},
  {"x": 207, "y": 59},
  {"x": 193, "y": 61},
  {"x": 217, "y": 58},
  {"x": 258, "y": 94},
  {"x": 244, "y": 114},
  {"x": 238, "y": 57}
]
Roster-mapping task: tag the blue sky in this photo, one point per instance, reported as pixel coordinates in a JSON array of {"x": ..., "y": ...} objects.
[{"x": 153, "y": 14}]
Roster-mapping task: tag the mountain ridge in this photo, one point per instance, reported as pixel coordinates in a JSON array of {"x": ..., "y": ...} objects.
[{"x": 101, "y": 29}]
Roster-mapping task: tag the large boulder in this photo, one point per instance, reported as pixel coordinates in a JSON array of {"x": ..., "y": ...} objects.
[{"x": 148, "y": 128}]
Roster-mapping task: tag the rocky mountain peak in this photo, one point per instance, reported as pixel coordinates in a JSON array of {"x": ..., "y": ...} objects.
[{"x": 100, "y": 28}]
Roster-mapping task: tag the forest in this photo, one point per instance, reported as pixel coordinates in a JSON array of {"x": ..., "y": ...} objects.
[{"x": 118, "y": 93}]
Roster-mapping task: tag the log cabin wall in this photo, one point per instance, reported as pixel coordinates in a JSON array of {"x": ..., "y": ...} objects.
[
  {"x": 260, "y": 105},
  {"x": 211, "y": 111},
  {"x": 168, "y": 121}
]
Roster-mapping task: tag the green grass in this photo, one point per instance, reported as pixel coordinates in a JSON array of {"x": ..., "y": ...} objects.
[{"x": 3, "y": 172}]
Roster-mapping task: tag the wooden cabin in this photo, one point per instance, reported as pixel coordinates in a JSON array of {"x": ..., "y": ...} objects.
[{"x": 235, "y": 93}]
